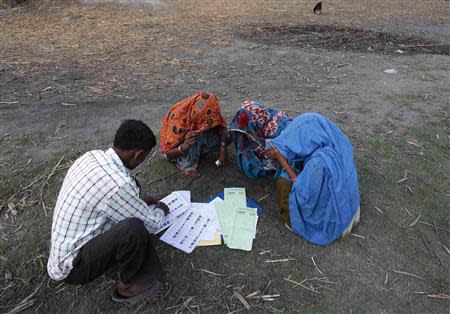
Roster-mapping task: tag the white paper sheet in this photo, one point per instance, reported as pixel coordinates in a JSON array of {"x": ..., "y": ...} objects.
[
  {"x": 177, "y": 208},
  {"x": 185, "y": 233},
  {"x": 185, "y": 194},
  {"x": 209, "y": 209},
  {"x": 237, "y": 196}
]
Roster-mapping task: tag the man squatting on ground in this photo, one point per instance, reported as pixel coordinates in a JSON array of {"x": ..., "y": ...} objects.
[{"x": 100, "y": 223}]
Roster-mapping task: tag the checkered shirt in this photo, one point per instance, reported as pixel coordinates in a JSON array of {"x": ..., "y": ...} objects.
[{"x": 98, "y": 192}]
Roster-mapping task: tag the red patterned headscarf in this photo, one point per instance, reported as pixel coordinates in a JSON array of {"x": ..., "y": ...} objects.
[{"x": 200, "y": 112}]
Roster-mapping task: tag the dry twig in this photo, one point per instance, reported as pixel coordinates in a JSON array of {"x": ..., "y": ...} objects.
[
  {"x": 210, "y": 272},
  {"x": 263, "y": 198},
  {"x": 379, "y": 210},
  {"x": 446, "y": 248},
  {"x": 415, "y": 221},
  {"x": 242, "y": 299},
  {"x": 28, "y": 301},
  {"x": 407, "y": 274},
  {"x": 184, "y": 305},
  {"x": 314, "y": 262},
  {"x": 301, "y": 285},
  {"x": 279, "y": 260},
  {"x": 405, "y": 177},
  {"x": 439, "y": 296}
]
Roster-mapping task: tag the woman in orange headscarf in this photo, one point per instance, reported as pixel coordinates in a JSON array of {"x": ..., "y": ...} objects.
[{"x": 192, "y": 127}]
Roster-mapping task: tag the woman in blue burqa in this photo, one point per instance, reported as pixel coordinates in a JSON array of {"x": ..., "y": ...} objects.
[{"x": 317, "y": 184}]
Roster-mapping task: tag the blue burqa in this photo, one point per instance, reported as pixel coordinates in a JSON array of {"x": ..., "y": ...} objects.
[{"x": 325, "y": 196}]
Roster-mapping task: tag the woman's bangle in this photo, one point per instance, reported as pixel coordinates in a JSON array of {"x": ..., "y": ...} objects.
[
  {"x": 223, "y": 144},
  {"x": 179, "y": 149}
]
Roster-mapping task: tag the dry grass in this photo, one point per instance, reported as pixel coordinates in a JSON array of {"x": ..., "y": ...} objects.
[{"x": 125, "y": 41}]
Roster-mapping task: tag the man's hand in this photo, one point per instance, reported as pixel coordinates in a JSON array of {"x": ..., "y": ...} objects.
[
  {"x": 150, "y": 199},
  {"x": 162, "y": 206}
]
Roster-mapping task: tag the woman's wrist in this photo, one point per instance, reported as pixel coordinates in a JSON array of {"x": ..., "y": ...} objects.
[{"x": 182, "y": 148}]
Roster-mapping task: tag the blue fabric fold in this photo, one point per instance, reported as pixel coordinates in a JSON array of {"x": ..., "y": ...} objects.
[{"x": 325, "y": 196}]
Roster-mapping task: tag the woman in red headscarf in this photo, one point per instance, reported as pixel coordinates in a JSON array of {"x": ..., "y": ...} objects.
[{"x": 192, "y": 127}]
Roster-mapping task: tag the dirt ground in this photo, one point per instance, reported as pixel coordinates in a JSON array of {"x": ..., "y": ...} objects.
[{"x": 71, "y": 71}]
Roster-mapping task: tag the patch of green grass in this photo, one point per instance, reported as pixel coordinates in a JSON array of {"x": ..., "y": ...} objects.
[
  {"x": 320, "y": 308},
  {"x": 24, "y": 139},
  {"x": 420, "y": 66},
  {"x": 389, "y": 97},
  {"x": 2, "y": 247},
  {"x": 407, "y": 98},
  {"x": 412, "y": 96},
  {"x": 427, "y": 164},
  {"x": 377, "y": 144},
  {"x": 11, "y": 183}
]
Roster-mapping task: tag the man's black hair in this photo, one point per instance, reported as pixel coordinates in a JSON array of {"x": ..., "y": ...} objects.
[{"x": 134, "y": 134}]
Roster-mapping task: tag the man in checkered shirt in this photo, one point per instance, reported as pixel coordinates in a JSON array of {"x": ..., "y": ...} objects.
[{"x": 100, "y": 223}]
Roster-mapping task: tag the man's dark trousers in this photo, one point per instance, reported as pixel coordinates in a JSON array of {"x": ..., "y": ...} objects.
[{"x": 126, "y": 250}]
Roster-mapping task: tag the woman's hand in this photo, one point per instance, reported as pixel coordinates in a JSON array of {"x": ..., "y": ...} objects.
[
  {"x": 222, "y": 155},
  {"x": 283, "y": 161},
  {"x": 272, "y": 153},
  {"x": 191, "y": 138}
]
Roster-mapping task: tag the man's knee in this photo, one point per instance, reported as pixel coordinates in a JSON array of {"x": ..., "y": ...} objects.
[{"x": 133, "y": 227}]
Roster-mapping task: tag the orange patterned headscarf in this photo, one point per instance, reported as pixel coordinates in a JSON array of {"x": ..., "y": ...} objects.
[{"x": 200, "y": 112}]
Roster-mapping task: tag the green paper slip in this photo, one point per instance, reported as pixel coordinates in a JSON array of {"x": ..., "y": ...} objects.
[
  {"x": 236, "y": 196},
  {"x": 225, "y": 213},
  {"x": 243, "y": 229}
]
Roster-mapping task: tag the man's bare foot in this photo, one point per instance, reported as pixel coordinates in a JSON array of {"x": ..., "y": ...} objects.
[
  {"x": 131, "y": 290},
  {"x": 132, "y": 293}
]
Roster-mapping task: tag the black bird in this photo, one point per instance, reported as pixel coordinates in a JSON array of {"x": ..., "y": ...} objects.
[{"x": 318, "y": 8}]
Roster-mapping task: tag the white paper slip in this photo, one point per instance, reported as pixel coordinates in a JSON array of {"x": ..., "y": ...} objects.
[
  {"x": 185, "y": 233},
  {"x": 236, "y": 196},
  {"x": 243, "y": 229},
  {"x": 177, "y": 207},
  {"x": 225, "y": 213},
  {"x": 209, "y": 209},
  {"x": 185, "y": 194}
]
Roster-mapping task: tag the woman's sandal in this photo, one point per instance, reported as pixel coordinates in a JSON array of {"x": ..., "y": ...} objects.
[{"x": 158, "y": 291}]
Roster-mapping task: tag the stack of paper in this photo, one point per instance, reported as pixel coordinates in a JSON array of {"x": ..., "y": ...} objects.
[
  {"x": 200, "y": 224},
  {"x": 189, "y": 224},
  {"x": 178, "y": 203},
  {"x": 212, "y": 235},
  {"x": 237, "y": 221},
  {"x": 185, "y": 233}
]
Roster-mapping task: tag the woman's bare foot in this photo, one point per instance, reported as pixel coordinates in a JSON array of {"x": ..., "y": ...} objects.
[{"x": 192, "y": 174}]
